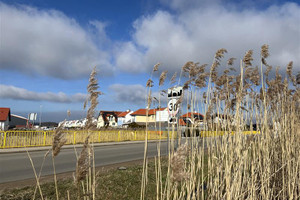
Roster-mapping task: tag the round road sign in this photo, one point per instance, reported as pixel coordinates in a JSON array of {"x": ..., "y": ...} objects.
[{"x": 173, "y": 108}]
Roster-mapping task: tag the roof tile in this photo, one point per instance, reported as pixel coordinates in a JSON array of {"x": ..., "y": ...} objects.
[{"x": 4, "y": 113}]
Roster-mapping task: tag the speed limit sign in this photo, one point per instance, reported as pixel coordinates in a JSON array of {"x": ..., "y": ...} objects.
[{"x": 173, "y": 108}]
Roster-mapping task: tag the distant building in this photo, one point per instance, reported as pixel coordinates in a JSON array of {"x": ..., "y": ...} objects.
[
  {"x": 125, "y": 118},
  {"x": 191, "y": 118},
  {"x": 141, "y": 115},
  {"x": 222, "y": 120},
  {"x": 162, "y": 115},
  {"x": 108, "y": 119},
  {"x": 18, "y": 122},
  {"x": 5, "y": 118},
  {"x": 77, "y": 124}
]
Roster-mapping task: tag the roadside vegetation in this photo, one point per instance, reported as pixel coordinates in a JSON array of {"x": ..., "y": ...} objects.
[
  {"x": 226, "y": 166},
  {"x": 112, "y": 183}
]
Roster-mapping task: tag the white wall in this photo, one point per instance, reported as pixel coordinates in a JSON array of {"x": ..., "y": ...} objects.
[
  {"x": 4, "y": 125},
  {"x": 129, "y": 118},
  {"x": 162, "y": 116},
  {"x": 100, "y": 122}
]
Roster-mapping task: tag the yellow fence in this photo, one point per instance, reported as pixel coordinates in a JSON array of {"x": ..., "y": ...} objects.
[
  {"x": 12, "y": 139},
  {"x": 221, "y": 133}
]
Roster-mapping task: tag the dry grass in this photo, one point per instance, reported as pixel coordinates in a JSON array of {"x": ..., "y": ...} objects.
[{"x": 262, "y": 166}]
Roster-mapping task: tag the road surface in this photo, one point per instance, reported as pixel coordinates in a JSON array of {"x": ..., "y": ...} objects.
[{"x": 16, "y": 166}]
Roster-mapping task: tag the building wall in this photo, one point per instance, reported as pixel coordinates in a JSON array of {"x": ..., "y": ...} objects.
[
  {"x": 121, "y": 121},
  {"x": 162, "y": 116},
  {"x": 112, "y": 121},
  {"x": 100, "y": 122},
  {"x": 151, "y": 118},
  {"x": 17, "y": 121},
  {"x": 140, "y": 118},
  {"x": 129, "y": 118},
  {"x": 4, "y": 125}
]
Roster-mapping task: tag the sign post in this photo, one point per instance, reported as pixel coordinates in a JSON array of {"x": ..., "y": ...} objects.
[{"x": 174, "y": 94}]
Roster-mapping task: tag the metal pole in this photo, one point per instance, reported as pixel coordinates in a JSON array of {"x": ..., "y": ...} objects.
[{"x": 40, "y": 115}]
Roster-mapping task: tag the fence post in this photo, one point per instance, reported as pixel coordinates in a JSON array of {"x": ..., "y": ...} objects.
[
  {"x": 134, "y": 135},
  {"x": 99, "y": 133},
  {"x": 44, "y": 138},
  {"x": 119, "y": 136},
  {"x": 74, "y": 137},
  {"x": 4, "y": 142}
]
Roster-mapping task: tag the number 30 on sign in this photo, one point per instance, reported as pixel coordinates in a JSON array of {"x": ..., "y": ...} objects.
[{"x": 173, "y": 108}]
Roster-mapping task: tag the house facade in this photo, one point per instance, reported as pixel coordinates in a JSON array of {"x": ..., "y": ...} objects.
[
  {"x": 141, "y": 115},
  {"x": 5, "y": 118},
  {"x": 108, "y": 118},
  {"x": 18, "y": 122},
  {"x": 125, "y": 118},
  {"x": 191, "y": 118}
]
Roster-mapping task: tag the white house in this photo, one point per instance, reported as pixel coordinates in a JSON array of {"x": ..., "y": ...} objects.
[
  {"x": 5, "y": 118},
  {"x": 108, "y": 118},
  {"x": 125, "y": 118},
  {"x": 76, "y": 123},
  {"x": 162, "y": 115}
]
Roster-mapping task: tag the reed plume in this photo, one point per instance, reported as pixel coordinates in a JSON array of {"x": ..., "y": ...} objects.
[
  {"x": 220, "y": 54},
  {"x": 162, "y": 77},
  {"x": 177, "y": 161},
  {"x": 92, "y": 98},
  {"x": 58, "y": 140},
  {"x": 230, "y": 61},
  {"x": 173, "y": 79},
  {"x": 149, "y": 83},
  {"x": 248, "y": 58},
  {"x": 155, "y": 68},
  {"x": 82, "y": 166},
  {"x": 265, "y": 51}
]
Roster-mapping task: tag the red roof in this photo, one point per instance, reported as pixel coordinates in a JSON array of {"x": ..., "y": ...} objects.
[
  {"x": 140, "y": 112},
  {"x": 123, "y": 114},
  {"x": 4, "y": 113},
  {"x": 153, "y": 111},
  {"x": 106, "y": 114},
  {"x": 189, "y": 115},
  {"x": 143, "y": 111},
  {"x": 181, "y": 122}
]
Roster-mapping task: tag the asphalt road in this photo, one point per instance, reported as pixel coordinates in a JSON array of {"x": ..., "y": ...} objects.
[{"x": 17, "y": 166}]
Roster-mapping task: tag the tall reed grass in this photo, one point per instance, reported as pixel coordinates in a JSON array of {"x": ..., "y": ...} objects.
[
  {"x": 227, "y": 166},
  {"x": 261, "y": 166}
]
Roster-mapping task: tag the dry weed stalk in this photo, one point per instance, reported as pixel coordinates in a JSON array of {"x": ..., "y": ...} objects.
[
  {"x": 178, "y": 161},
  {"x": 83, "y": 164},
  {"x": 262, "y": 166},
  {"x": 162, "y": 78},
  {"x": 58, "y": 141},
  {"x": 92, "y": 98}
]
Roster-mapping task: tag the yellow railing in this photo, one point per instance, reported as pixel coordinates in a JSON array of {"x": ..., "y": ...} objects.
[
  {"x": 12, "y": 139},
  {"x": 222, "y": 133}
]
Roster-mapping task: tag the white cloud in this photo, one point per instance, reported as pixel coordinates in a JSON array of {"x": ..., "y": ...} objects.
[
  {"x": 129, "y": 58},
  {"x": 16, "y": 93},
  {"x": 47, "y": 42},
  {"x": 135, "y": 94},
  {"x": 196, "y": 33}
]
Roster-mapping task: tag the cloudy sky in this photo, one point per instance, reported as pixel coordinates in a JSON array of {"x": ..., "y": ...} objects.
[{"x": 48, "y": 48}]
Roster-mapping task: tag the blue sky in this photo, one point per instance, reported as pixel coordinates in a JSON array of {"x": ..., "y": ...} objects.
[{"x": 48, "y": 48}]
